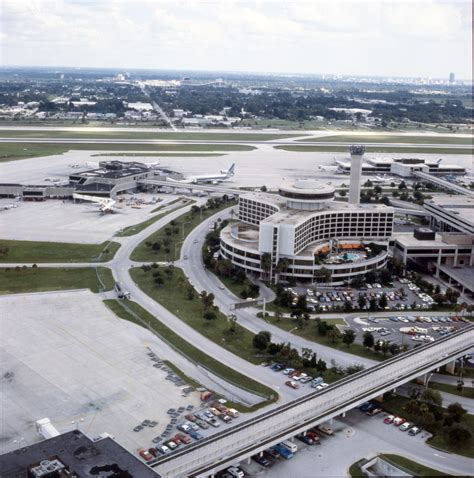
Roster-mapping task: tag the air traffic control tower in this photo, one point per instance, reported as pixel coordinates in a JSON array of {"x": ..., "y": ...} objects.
[{"x": 357, "y": 153}]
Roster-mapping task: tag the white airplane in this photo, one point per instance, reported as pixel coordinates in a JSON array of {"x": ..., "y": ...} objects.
[
  {"x": 106, "y": 205},
  {"x": 332, "y": 169},
  {"x": 383, "y": 179},
  {"x": 213, "y": 179}
]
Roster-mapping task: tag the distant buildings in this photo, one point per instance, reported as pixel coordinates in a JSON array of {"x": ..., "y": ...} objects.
[{"x": 452, "y": 78}]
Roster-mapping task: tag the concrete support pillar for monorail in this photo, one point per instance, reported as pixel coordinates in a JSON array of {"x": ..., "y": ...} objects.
[{"x": 450, "y": 367}]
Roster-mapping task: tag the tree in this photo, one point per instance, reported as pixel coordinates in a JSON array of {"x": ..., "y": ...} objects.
[
  {"x": 368, "y": 340},
  {"x": 362, "y": 301},
  {"x": 333, "y": 334},
  {"x": 262, "y": 340},
  {"x": 459, "y": 437},
  {"x": 322, "y": 326},
  {"x": 343, "y": 193},
  {"x": 394, "y": 349},
  {"x": 456, "y": 412},
  {"x": 373, "y": 303},
  {"x": 383, "y": 301},
  {"x": 371, "y": 277},
  {"x": 452, "y": 295},
  {"x": 209, "y": 314},
  {"x": 348, "y": 306},
  {"x": 348, "y": 337},
  {"x": 432, "y": 396},
  {"x": 386, "y": 276},
  {"x": 233, "y": 323},
  {"x": 266, "y": 261},
  {"x": 264, "y": 189},
  {"x": 385, "y": 347},
  {"x": 377, "y": 189}
]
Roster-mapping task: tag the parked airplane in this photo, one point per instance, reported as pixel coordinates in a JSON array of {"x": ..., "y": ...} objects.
[
  {"x": 383, "y": 179},
  {"x": 332, "y": 169},
  {"x": 207, "y": 178},
  {"x": 106, "y": 205}
]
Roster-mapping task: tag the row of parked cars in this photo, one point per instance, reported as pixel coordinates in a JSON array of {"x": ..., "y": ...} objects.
[
  {"x": 371, "y": 409},
  {"x": 212, "y": 416},
  {"x": 297, "y": 377}
]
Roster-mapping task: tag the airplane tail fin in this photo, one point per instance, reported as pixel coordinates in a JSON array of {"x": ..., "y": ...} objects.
[{"x": 230, "y": 171}]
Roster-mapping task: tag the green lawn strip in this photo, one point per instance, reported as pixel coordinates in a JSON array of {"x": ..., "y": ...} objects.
[
  {"x": 188, "y": 221},
  {"x": 39, "y": 251},
  {"x": 14, "y": 151},
  {"x": 172, "y": 295},
  {"x": 136, "y": 135},
  {"x": 174, "y": 201},
  {"x": 354, "y": 470},
  {"x": 376, "y": 138},
  {"x": 444, "y": 387},
  {"x": 136, "y": 228},
  {"x": 395, "y": 404},
  {"x": 152, "y": 155},
  {"x": 374, "y": 149},
  {"x": 416, "y": 469},
  {"x": 192, "y": 352},
  {"x": 310, "y": 332},
  {"x": 36, "y": 279}
]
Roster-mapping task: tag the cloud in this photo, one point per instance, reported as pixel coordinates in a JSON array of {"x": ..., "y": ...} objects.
[{"x": 340, "y": 36}]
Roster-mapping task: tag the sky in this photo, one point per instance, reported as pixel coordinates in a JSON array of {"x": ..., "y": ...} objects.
[{"x": 411, "y": 38}]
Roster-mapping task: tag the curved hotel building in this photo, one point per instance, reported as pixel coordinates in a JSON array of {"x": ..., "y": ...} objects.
[{"x": 302, "y": 233}]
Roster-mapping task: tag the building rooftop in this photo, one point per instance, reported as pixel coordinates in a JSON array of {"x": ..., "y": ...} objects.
[
  {"x": 460, "y": 205},
  {"x": 407, "y": 239},
  {"x": 99, "y": 459}
]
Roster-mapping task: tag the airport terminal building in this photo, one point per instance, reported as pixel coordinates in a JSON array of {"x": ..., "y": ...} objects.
[{"x": 302, "y": 233}]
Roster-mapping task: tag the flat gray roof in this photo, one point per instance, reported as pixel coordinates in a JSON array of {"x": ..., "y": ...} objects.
[{"x": 459, "y": 205}]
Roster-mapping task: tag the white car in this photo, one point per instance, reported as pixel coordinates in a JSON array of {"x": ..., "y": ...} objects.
[
  {"x": 300, "y": 376},
  {"x": 288, "y": 370}
]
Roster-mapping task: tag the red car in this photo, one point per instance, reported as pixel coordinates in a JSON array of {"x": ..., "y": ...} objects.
[
  {"x": 294, "y": 373},
  {"x": 388, "y": 419},
  {"x": 182, "y": 438},
  {"x": 292, "y": 384},
  {"x": 146, "y": 455}
]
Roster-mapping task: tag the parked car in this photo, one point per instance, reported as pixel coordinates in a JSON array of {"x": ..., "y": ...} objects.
[
  {"x": 163, "y": 449},
  {"x": 305, "y": 439},
  {"x": 146, "y": 455},
  {"x": 292, "y": 384},
  {"x": 325, "y": 429},
  {"x": 262, "y": 460},
  {"x": 300, "y": 376},
  {"x": 233, "y": 412},
  {"x": 271, "y": 453},
  {"x": 397, "y": 421},
  {"x": 414, "y": 431},
  {"x": 389, "y": 419},
  {"x": 171, "y": 444},
  {"x": 288, "y": 371},
  {"x": 184, "y": 428},
  {"x": 196, "y": 435},
  {"x": 373, "y": 411},
  {"x": 213, "y": 422},
  {"x": 202, "y": 423},
  {"x": 306, "y": 379},
  {"x": 182, "y": 438},
  {"x": 190, "y": 417},
  {"x": 405, "y": 426}
]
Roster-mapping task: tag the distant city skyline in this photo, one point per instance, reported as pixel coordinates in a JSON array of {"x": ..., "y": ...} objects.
[{"x": 427, "y": 38}]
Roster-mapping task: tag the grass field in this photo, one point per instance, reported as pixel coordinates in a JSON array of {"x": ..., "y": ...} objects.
[
  {"x": 152, "y": 155},
  {"x": 58, "y": 134},
  {"x": 310, "y": 332},
  {"x": 22, "y": 280},
  {"x": 373, "y": 149},
  {"x": 15, "y": 151},
  {"x": 37, "y": 252},
  {"x": 192, "y": 352},
  {"x": 416, "y": 469},
  {"x": 381, "y": 138},
  {"x": 444, "y": 387},
  {"x": 136, "y": 228},
  {"x": 186, "y": 222},
  {"x": 172, "y": 295}
]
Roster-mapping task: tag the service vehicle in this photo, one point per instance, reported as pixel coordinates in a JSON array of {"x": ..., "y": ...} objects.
[
  {"x": 284, "y": 452},
  {"x": 290, "y": 445}
]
